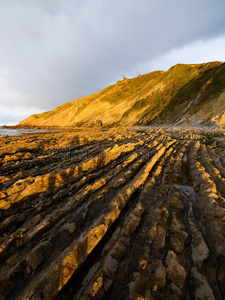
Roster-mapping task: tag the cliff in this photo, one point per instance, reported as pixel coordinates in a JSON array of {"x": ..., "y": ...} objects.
[{"x": 185, "y": 94}]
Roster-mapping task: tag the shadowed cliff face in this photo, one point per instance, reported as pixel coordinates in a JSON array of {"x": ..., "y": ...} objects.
[
  {"x": 184, "y": 94},
  {"x": 115, "y": 214}
]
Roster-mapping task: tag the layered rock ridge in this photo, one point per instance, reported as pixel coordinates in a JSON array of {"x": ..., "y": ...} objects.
[{"x": 112, "y": 215}]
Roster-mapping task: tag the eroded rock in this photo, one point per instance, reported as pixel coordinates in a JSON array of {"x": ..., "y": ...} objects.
[{"x": 95, "y": 214}]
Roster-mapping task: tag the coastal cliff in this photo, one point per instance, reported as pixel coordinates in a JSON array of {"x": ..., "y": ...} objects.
[{"x": 185, "y": 94}]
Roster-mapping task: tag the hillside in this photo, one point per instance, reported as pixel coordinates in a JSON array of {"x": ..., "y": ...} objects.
[{"x": 184, "y": 94}]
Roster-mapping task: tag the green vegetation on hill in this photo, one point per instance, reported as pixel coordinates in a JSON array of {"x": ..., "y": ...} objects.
[
  {"x": 213, "y": 87},
  {"x": 196, "y": 86},
  {"x": 129, "y": 87}
]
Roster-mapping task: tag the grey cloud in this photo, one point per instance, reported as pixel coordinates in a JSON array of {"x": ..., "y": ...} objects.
[{"x": 54, "y": 51}]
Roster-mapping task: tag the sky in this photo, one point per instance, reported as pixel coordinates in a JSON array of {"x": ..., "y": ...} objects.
[{"x": 56, "y": 51}]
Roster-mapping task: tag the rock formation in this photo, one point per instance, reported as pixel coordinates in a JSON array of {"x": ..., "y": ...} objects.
[{"x": 117, "y": 214}]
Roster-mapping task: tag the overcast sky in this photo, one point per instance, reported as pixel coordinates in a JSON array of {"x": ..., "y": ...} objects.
[{"x": 55, "y": 51}]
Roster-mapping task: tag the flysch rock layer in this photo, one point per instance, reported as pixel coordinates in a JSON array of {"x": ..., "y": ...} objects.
[{"x": 119, "y": 214}]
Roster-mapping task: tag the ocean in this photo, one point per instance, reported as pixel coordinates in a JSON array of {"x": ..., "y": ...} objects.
[{"x": 15, "y": 132}]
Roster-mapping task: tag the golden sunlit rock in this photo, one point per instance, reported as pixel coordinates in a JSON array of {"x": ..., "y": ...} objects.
[{"x": 133, "y": 213}]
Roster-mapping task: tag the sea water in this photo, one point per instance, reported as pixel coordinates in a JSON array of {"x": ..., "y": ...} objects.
[{"x": 14, "y": 132}]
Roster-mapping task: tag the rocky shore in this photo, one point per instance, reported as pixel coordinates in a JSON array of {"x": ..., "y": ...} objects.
[{"x": 116, "y": 214}]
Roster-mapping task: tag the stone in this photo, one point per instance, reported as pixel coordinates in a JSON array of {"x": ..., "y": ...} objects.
[
  {"x": 202, "y": 289},
  {"x": 77, "y": 202},
  {"x": 175, "y": 272},
  {"x": 160, "y": 274},
  {"x": 187, "y": 193},
  {"x": 175, "y": 289}
]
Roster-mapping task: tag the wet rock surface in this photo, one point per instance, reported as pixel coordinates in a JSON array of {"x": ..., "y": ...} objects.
[{"x": 117, "y": 214}]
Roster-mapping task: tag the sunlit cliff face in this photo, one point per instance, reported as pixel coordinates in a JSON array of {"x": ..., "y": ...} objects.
[{"x": 185, "y": 94}]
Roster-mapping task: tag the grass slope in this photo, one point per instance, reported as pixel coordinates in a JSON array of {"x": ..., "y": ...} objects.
[{"x": 157, "y": 97}]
